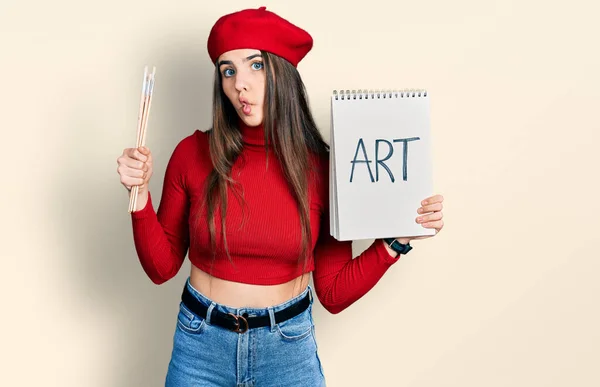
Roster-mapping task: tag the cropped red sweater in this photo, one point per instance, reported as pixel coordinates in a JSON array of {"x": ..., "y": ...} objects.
[{"x": 263, "y": 235}]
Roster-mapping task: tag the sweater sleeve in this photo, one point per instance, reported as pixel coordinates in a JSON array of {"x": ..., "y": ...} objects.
[
  {"x": 340, "y": 279},
  {"x": 161, "y": 237}
]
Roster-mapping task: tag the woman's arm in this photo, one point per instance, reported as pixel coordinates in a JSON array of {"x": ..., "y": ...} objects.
[
  {"x": 161, "y": 238},
  {"x": 339, "y": 279}
]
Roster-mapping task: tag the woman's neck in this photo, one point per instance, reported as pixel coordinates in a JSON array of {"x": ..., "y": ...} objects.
[{"x": 253, "y": 136}]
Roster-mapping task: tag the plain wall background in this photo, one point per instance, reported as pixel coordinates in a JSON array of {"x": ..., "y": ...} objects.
[{"x": 506, "y": 295}]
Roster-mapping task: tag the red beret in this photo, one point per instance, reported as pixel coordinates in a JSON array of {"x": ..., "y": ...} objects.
[{"x": 259, "y": 29}]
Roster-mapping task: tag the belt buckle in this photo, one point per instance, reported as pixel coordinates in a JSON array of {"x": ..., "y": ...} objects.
[{"x": 237, "y": 318}]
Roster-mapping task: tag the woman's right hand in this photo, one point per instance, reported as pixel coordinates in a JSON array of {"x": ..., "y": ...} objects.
[{"x": 135, "y": 168}]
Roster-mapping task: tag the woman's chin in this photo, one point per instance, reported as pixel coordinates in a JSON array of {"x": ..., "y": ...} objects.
[{"x": 251, "y": 120}]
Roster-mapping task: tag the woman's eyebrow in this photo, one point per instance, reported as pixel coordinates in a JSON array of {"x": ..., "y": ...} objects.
[
  {"x": 228, "y": 62},
  {"x": 252, "y": 57}
]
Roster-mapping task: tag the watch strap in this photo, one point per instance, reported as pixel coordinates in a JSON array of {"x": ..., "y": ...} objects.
[{"x": 398, "y": 247}]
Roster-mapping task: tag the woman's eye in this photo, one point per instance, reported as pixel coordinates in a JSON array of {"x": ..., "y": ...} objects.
[
  {"x": 228, "y": 72},
  {"x": 257, "y": 65}
]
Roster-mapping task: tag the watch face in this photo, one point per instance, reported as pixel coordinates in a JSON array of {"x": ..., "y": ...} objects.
[
  {"x": 403, "y": 249},
  {"x": 397, "y": 246}
]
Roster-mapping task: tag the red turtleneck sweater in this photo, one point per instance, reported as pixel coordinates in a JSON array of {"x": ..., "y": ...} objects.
[{"x": 263, "y": 236}]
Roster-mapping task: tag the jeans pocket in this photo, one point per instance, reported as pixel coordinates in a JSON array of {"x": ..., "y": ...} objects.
[
  {"x": 188, "y": 321},
  {"x": 296, "y": 328}
]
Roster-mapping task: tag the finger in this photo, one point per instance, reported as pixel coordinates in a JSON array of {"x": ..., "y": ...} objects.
[
  {"x": 420, "y": 237},
  {"x": 149, "y": 159},
  {"x": 132, "y": 172},
  {"x": 433, "y": 199},
  {"x": 430, "y": 208},
  {"x": 438, "y": 225},
  {"x": 144, "y": 151},
  {"x": 129, "y": 181},
  {"x": 132, "y": 163},
  {"x": 430, "y": 217},
  {"x": 136, "y": 154}
]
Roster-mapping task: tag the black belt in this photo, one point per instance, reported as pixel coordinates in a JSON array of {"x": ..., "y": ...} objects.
[{"x": 241, "y": 323}]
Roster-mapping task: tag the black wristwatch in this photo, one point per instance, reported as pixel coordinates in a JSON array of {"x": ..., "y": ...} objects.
[{"x": 398, "y": 247}]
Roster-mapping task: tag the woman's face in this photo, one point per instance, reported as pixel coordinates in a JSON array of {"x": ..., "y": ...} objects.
[{"x": 243, "y": 80}]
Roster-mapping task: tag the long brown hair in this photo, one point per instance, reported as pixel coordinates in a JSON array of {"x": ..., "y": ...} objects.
[{"x": 288, "y": 125}]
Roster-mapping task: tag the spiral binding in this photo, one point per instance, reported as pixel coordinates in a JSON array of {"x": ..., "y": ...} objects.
[{"x": 379, "y": 94}]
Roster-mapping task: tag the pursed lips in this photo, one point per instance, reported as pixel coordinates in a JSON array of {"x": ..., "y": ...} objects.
[{"x": 244, "y": 101}]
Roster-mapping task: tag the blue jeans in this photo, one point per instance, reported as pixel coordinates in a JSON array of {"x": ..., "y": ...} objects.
[{"x": 278, "y": 355}]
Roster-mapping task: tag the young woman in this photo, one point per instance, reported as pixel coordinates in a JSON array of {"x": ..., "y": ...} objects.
[{"x": 248, "y": 199}]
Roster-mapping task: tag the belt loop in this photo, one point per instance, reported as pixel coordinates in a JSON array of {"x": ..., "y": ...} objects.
[
  {"x": 209, "y": 312},
  {"x": 272, "y": 318}
]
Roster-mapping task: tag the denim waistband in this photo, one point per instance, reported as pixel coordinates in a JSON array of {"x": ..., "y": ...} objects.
[{"x": 251, "y": 311}]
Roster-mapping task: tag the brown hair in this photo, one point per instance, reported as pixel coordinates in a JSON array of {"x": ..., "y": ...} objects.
[{"x": 288, "y": 125}]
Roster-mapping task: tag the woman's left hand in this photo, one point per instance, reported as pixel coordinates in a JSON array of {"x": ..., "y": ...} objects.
[{"x": 430, "y": 216}]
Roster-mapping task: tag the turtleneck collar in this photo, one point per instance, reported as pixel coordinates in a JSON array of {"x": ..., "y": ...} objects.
[{"x": 252, "y": 135}]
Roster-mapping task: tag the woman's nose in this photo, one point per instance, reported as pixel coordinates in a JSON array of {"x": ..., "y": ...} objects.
[{"x": 241, "y": 82}]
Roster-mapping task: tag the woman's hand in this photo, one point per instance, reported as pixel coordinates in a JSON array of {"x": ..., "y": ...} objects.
[
  {"x": 430, "y": 216},
  {"x": 135, "y": 168}
]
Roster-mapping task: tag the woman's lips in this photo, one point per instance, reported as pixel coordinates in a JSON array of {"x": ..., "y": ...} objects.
[
  {"x": 246, "y": 109},
  {"x": 246, "y": 106}
]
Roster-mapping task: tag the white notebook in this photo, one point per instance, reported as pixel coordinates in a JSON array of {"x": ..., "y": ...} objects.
[{"x": 380, "y": 163}]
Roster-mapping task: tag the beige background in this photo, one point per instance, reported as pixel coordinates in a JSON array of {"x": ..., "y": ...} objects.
[{"x": 507, "y": 295}]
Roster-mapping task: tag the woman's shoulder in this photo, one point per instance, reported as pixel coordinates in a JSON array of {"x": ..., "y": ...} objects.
[
  {"x": 197, "y": 140},
  {"x": 190, "y": 148}
]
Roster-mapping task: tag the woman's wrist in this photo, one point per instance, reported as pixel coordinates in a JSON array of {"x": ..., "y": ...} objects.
[{"x": 391, "y": 251}]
